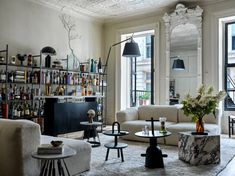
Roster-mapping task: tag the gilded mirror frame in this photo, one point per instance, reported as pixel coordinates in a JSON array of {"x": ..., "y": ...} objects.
[{"x": 182, "y": 15}]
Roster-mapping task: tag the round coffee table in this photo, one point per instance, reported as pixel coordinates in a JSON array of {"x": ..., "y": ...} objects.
[
  {"x": 154, "y": 156},
  {"x": 115, "y": 144},
  {"x": 48, "y": 161},
  {"x": 91, "y": 132}
]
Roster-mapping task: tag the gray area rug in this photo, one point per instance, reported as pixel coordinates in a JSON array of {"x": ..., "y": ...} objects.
[{"x": 134, "y": 163}]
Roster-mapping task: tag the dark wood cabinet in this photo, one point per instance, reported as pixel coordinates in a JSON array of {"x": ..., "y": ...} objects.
[{"x": 60, "y": 118}]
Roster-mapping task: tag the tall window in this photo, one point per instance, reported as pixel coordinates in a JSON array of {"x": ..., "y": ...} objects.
[
  {"x": 141, "y": 89},
  {"x": 230, "y": 65},
  {"x": 137, "y": 73}
]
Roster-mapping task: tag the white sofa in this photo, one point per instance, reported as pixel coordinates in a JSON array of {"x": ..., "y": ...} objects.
[
  {"x": 133, "y": 120},
  {"x": 20, "y": 138}
]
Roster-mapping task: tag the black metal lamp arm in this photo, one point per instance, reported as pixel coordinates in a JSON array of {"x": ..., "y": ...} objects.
[{"x": 106, "y": 63}]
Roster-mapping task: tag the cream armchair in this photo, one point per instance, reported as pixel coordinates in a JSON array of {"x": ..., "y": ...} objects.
[{"x": 19, "y": 138}]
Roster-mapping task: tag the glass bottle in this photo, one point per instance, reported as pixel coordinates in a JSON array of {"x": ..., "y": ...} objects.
[
  {"x": 35, "y": 111},
  {"x": 92, "y": 65},
  {"x": 99, "y": 66},
  {"x": 26, "y": 109}
]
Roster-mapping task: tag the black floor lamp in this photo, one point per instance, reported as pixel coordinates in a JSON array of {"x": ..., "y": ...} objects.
[{"x": 131, "y": 49}]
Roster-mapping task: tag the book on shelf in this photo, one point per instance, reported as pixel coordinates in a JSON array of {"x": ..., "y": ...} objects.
[{"x": 49, "y": 149}]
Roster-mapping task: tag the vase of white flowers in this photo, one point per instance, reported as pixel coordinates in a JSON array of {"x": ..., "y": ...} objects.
[{"x": 203, "y": 104}]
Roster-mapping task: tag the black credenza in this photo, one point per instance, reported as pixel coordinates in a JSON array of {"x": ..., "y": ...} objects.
[{"x": 61, "y": 118}]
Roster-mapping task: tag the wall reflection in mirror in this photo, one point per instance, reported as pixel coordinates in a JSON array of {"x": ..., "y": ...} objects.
[{"x": 183, "y": 61}]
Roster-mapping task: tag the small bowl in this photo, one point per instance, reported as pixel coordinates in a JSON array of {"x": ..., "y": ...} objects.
[{"x": 56, "y": 143}]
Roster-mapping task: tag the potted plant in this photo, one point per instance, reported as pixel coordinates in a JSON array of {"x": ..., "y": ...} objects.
[
  {"x": 203, "y": 104},
  {"x": 144, "y": 99}
]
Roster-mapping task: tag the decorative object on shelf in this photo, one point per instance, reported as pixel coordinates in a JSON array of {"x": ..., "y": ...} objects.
[
  {"x": 49, "y": 51},
  {"x": 30, "y": 60},
  {"x": 57, "y": 64},
  {"x": 2, "y": 59},
  {"x": 13, "y": 60},
  {"x": 60, "y": 90},
  {"x": 21, "y": 58},
  {"x": 203, "y": 104},
  {"x": 162, "y": 121},
  {"x": 90, "y": 115},
  {"x": 178, "y": 64}
]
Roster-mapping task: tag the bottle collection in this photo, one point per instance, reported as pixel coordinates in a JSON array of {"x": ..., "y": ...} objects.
[
  {"x": 48, "y": 77},
  {"x": 23, "y": 79},
  {"x": 25, "y": 110},
  {"x": 92, "y": 66}
]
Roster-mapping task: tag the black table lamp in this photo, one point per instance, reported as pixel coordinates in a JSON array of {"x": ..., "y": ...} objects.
[{"x": 49, "y": 51}]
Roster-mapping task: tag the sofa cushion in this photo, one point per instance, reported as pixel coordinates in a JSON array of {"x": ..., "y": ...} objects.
[
  {"x": 127, "y": 114},
  {"x": 156, "y": 111},
  {"x": 207, "y": 118}
]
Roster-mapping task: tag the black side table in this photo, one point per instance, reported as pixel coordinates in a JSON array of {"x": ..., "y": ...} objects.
[
  {"x": 48, "y": 162},
  {"x": 231, "y": 121},
  {"x": 115, "y": 144},
  {"x": 91, "y": 132}
]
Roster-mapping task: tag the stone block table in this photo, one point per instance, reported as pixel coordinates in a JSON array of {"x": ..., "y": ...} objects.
[{"x": 199, "y": 149}]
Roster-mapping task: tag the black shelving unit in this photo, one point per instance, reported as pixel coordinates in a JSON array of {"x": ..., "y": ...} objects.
[
  {"x": 4, "y": 102},
  {"x": 101, "y": 88}
]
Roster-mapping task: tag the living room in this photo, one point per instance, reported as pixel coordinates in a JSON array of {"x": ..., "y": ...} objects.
[{"x": 66, "y": 76}]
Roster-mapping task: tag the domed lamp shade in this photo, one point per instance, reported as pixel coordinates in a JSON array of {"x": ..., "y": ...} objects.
[
  {"x": 178, "y": 64},
  {"x": 49, "y": 51},
  {"x": 131, "y": 49}
]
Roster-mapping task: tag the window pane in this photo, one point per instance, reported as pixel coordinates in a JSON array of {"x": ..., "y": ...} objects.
[
  {"x": 230, "y": 87},
  {"x": 143, "y": 73},
  {"x": 231, "y": 43}
]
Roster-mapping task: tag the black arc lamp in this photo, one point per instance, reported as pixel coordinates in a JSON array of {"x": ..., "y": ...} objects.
[
  {"x": 178, "y": 64},
  {"x": 131, "y": 49},
  {"x": 49, "y": 51}
]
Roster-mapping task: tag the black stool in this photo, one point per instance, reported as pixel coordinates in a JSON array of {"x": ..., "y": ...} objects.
[
  {"x": 115, "y": 145},
  {"x": 231, "y": 121}
]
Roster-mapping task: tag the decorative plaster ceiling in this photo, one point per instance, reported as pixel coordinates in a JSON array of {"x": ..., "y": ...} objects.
[
  {"x": 184, "y": 37},
  {"x": 111, "y": 9}
]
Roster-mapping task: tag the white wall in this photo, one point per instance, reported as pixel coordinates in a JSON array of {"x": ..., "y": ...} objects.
[
  {"x": 209, "y": 57},
  {"x": 27, "y": 27},
  {"x": 185, "y": 80}
]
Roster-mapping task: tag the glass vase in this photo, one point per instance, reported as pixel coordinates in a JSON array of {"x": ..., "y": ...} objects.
[{"x": 200, "y": 126}]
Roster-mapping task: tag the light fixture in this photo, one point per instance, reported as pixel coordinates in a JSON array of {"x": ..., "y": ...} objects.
[
  {"x": 131, "y": 49},
  {"x": 178, "y": 64},
  {"x": 49, "y": 51}
]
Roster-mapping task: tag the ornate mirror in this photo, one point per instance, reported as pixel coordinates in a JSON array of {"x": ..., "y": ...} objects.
[{"x": 183, "y": 52}]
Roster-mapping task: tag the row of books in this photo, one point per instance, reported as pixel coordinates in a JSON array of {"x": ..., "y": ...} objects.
[{"x": 49, "y": 149}]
